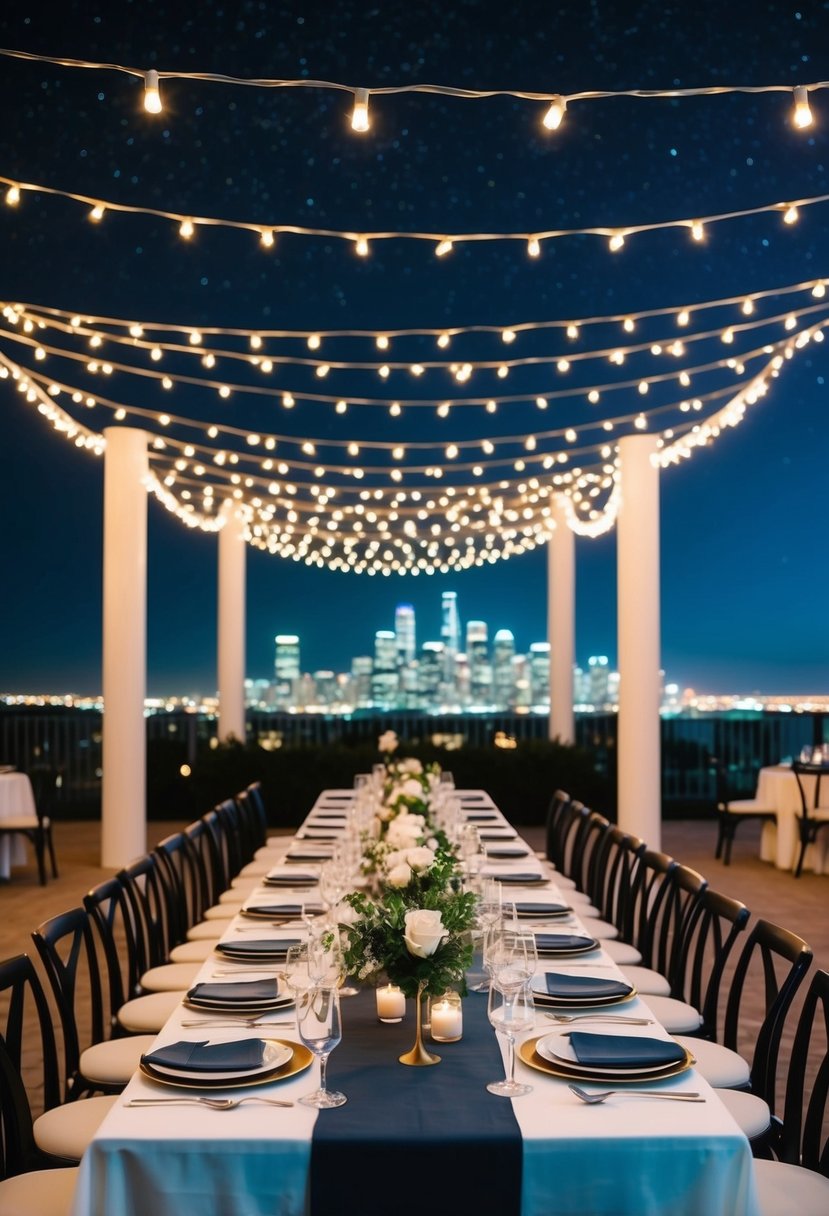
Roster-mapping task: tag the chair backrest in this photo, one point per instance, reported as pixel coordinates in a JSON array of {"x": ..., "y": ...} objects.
[
  {"x": 616, "y": 858},
  {"x": 27, "y": 1013},
  {"x": 233, "y": 843},
  {"x": 589, "y": 832},
  {"x": 185, "y": 875},
  {"x": 256, "y": 799},
  {"x": 810, "y": 796},
  {"x": 68, "y": 950},
  {"x": 153, "y": 900},
  {"x": 555, "y": 828},
  {"x": 122, "y": 937},
  {"x": 802, "y": 1138},
  {"x": 206, "y": 857},
  {"x": 783, "y": 958},
  {"x": 709, "y": 933},
  {"x": 649, "y": 907}
]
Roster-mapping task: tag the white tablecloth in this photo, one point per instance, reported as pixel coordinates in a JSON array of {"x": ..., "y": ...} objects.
[
  {"x": 17, "y": 801},
  {"x": 780, "y": 842},
  {"x": 641, "y": 1158}
]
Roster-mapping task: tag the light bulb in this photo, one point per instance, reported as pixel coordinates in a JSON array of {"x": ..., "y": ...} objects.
[
  {"x": 508, "y": 335},
  {"x": 553, "y": 118},
  {"x": 616, "y": 242},
  {"x": 13, "y": 196},
  {"x": 266, "y": 238},
  {"x": 443, "y": 247},
  {"x": 382, "y": 342},
  {"x": 802, "y": 114},
  {"x": 97, "y": 213},
  {"x": 697, "y": 231},
  {"x": 748, "y": 307},
  {"x": 186, "y": 229},
  {"x": 683, "y": 317},
  {"x": 361, "y": 247},
  {"x": 152, "y": 93},
  {"x": 359, "y": 116},
  {"x": 628, "y": 325},
  {"x": 819, "y": 291},
  {"x": 790, "y": 215},
  {"x": 572, "y": 331},
  {"x": 533, "y": 247}
]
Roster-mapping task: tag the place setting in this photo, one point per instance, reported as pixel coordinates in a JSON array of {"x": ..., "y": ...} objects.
[
  {"x": 565, "y": 945},
  {"x": 282, "y": 911},
  {"x": 541, "y": 910},
  {"x": 239, "y": 996},
  {"x": 290, "y": 879},
  {"x": 607, "y": 1057},
  {"x": 561, "y": 990},
  {"x": 206, "y": 1065}
]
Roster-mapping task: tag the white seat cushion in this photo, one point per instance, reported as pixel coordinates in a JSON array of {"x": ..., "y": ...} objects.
[
  {"x": 647, "y": 981},
  {"x": 206, "y": 930},
  {"x": 749, "y": 806},
  {"x": 622, "y": 952},
  {"x": 171, "y": 977},
  {"x": 39, "y": 1193},
  {"x": 677, "y": 1017},
  {"x": 783, "y": 1189},
  {"x": 114, "y": 1062},
  {"x": 254, "y": 869},
  {"x": 721, "y": 1067},
  {"x": 222, "y": 911},
  {"x": 19, "y": 823},
  {"x": 751, "y": 1113},
  {"x": 238, "y": 892},
  {"x": 67, "y": 1130},
  {"x": 602, "y": 929},
  {"x": 147, "y": 1014},
  {"x": 192, "y": 952}
]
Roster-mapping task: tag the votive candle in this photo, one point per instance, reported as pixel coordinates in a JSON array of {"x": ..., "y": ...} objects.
[
  {"x": 447, "y": 1020},
  {"x": 391, "y": 1003}
]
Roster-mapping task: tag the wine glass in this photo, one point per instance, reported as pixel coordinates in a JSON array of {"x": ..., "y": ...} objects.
[
  {"x": 512, "y": 956},
  {"x": 298, "y": 970},
  {"x": 510, "y": 1011},
  {"x": 328, "y": 961},
  {"x": 331, "y": 888},
  {"x": 320, "y": 1028}
]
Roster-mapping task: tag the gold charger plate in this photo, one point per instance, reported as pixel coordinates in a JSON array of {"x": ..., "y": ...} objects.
[
  {"x": 598, "y": 1002},
  {"x": 530, "y": 1056},
  {"x": 301, "y": 1058}
]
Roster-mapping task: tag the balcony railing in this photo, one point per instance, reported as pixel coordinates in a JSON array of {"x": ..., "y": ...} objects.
[{"x": 65, "y": 745}]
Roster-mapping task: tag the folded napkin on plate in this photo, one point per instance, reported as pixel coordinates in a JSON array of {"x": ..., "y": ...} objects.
[
  {"x": 260, "y": 945},
  {"x": 291, "y": 880},
  {"x": 241, "y": 1055},
  {"x": 609, "y": 1050},
  {"x": 524, "y": 876},
  {"x": 236, "y": 992},
  {"x": 563, "y": 941},
  {"x": 524, "y": 908},
  {"x": 508, "y": 850},
  {"x": 287, "y": 911},
  {"x": 576, "y": 986}
]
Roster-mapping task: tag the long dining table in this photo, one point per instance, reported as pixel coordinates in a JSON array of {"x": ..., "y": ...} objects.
[{"x": 416, "y": 1139}]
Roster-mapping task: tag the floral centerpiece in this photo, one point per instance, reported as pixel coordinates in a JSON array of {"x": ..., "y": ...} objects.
[{"x": 404, "y": 813}]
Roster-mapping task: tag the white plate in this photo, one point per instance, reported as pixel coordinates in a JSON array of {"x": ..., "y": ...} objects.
[{"x": 274, "y": 1056}]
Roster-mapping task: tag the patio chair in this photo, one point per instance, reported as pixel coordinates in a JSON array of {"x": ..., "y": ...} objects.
[
  {"x": 38, "y": 829},
  {"x": 797, "y": 1179},
  {"x": 731, "y": 812},
  {"x": 29, "y": 1065},
  {"x": 813, "y": 815}
]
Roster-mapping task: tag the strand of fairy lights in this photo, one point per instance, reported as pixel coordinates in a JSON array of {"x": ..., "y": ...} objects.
[
  {"x": 681, "y": 314},
  {"x": 555, "y": 104},
  {"x": 443, "y": 243},
  {"x": 289, "y": 399},
  {"x": 460, "y": 372},
  {"x": 310, "y": 444}
]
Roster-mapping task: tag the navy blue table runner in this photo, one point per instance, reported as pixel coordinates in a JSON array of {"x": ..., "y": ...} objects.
[{"x": 414, "y": 1139}]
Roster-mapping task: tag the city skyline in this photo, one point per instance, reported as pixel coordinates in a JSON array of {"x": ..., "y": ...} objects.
[{"x": 743, "y": 583}]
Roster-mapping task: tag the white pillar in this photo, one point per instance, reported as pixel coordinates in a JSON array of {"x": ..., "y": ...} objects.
[
  {"x": 231, "y": 626},
  {"x": 638, "y": 740},
  {"x": 561, "y": 614},
  {"x": 124, "y": 781}
]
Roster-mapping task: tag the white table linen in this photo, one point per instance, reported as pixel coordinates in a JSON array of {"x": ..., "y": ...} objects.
[
  {"x": 780, "y": 841},
  {"x": 641, "y": 1157},
  {"x": 17, "y": 802}
]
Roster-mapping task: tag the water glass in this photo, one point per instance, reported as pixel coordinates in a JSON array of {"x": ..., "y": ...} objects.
[{"x": 320, "y": 1028}]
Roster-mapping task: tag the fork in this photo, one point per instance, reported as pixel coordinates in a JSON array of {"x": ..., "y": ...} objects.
[
  {"x": 247, "y": 1022},
  {"x": 596, "y": 1099},
  {"x": 213, "y": 1103},
  {"x": 598, "y": 1017}
]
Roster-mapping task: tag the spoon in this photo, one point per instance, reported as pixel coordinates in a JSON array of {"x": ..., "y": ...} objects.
[
  {"x": 213, "y": 1103},
  {"x": 597, "y": 1098}
]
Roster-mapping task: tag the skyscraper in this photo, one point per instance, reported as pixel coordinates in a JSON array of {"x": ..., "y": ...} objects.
[
  {"x": 450, "y": 626},
  {"x": 480, "y": 668},
  {"x": 404, "y": 628},
  {"x": 384, "y": 680},
  {"x": 286, "y": 666},
  {"x": 503, "y": 651}
]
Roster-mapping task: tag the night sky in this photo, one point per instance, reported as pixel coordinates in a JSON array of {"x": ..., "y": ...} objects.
[{"x": 745, "y": 580}]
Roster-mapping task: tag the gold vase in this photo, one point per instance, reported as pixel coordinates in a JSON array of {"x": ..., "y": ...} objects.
[{"x": 418, "y": 1053}]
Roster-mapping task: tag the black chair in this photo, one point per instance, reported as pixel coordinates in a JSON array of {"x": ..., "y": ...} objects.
[
  {"x": 77, "y": 971},
  {"x": 797, "y": 1180},
  {"x": 40, "y": 1130},
  {"x": 731, "y": 812},
  {"x": 555, "y": 828},
  {"x": 31, "y": 1181},
  {"x": 37, "y": 831},
  {"x": 812, "y": 815}
]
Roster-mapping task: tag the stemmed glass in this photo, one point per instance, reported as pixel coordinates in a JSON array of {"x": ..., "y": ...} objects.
[
  {"x": 320, "y": 1028},
  {"x": 298, "y": 971},
  {"x": 510, "y": 1011},
  {"x": 332, "y": 886}
]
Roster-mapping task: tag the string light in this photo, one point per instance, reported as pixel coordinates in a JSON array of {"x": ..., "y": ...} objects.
[
  {"x": 13, "y": 196},
  {"x": 616, "y": 242},
  {"x": 359, "y": 115},
  {"x": 186, "y": 229},
  {"x": 791, "y": 215},
  {"x": 553, "y": 118},
  {"x": 802, "y": 116},
  {"x": 443, "y": 247},
  {"x": 152, "y": 92}
]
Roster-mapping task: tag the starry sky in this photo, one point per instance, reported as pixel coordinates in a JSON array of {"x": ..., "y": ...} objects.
[{"x": 745, "y": 582}]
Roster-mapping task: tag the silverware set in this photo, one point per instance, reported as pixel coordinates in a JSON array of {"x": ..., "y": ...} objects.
[
  {"x": 596, "y": 1099},
  {"x": 212, "y": 1103}
]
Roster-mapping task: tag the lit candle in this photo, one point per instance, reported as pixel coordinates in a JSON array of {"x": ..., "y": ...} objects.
[
  {"x": 447, "y": 1020},
  {"x": 391, "y": 1004}
]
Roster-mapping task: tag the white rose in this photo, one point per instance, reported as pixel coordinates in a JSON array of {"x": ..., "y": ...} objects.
[
  {"x": 424, "y": 932},
  {"x": 395, "y": 857},
  {"x": 399, "y": 876},
  {"x": 387, "y": 741},
  {"x": 411, "y": 765},
  {"x": 420, "y": 858},
  {"x": 411, "y": 788}
]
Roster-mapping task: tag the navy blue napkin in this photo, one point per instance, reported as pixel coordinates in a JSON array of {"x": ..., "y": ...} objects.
[
  {"x": 291, "y": 880},
  {"x": 553, "y": 943},
  {"x": 523, "y": 878},
  {"x": 611, "y": 1050},
  {"x": 259, "y": 945},
  {"x": 287, "y": 911},
  {"x": 240, "y": 1055},
  {"x": 575, "y": 986},
  {"x": 508, "y": 850},
  {"x": 535, "y": 909},
  {"x": 237, "y": 991}
]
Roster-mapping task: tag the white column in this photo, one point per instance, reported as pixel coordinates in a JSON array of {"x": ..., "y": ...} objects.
[
  {"x": 231, "y": 626},
  {"x": 561, "y": 615},
  {"x": 638, "y": 741},
  {"x": 124, "y": 782}
]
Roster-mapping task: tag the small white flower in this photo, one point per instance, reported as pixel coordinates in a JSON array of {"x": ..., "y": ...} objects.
[
  {"x": 424, "y": 932},
  {"x": 411, "y": 765},
  {"x": 399, "y": 876},
  {"x": 387, "y": 741},
  {"x": 420, "y": 858},
  {"x": 411, "y": 789}
]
